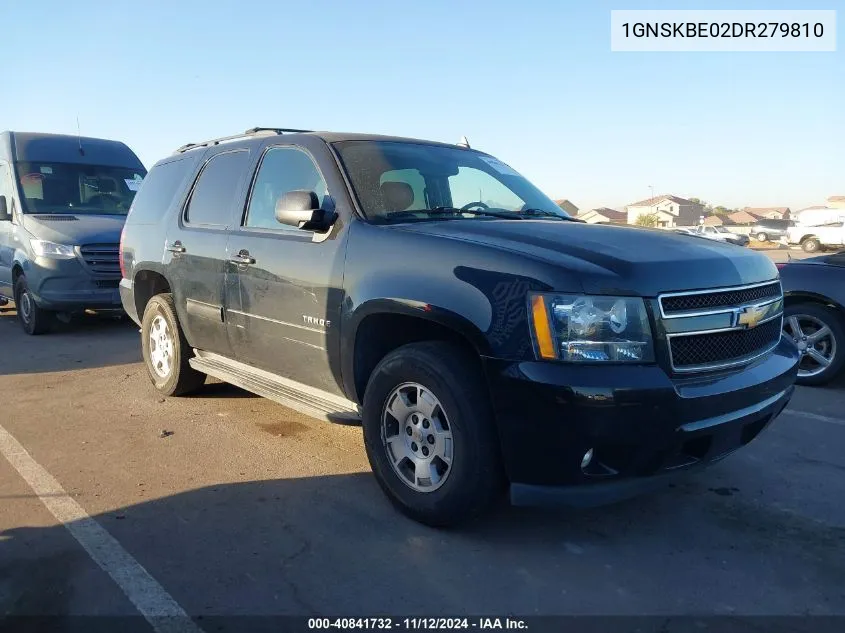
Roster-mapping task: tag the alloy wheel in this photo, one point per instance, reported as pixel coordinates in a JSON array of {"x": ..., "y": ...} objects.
[
  {"x": 815, "y": 342},
  {"x": 417, "y": 437},
  {"x": 161, "y": 347}
]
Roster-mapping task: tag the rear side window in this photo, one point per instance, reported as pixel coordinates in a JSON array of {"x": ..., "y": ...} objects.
[
  {"x": 156, "y": 194},
  {"x": 218, "y": 184}
]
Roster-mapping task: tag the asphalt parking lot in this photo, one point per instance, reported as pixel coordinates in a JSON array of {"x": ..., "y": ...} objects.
[{"x": 235, "y": 505}]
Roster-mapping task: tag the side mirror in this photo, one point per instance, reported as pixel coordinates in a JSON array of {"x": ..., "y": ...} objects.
[
  {"x": 301, "y": 209},
  {"x": 5, "y": 216}
]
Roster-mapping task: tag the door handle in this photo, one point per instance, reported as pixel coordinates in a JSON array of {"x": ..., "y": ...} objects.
[
  {"x": 243, "y": 258},
  {"x": 176, "y": 247}
]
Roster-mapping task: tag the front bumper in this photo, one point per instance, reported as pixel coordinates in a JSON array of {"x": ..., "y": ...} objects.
[
  {"x": 644, "y": 426},
  {"x": 63, "y": 284}
]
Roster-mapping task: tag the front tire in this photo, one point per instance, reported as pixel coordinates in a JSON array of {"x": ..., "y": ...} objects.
[
  {"x": 166, "y": 351},
  {"x": 811, "y": 245},
  {"x": 33, "y": 320},
  {"x": 430, "y": 434},
  {"x": 762, "y": 237},
  {"x": 819, "y": 334}
]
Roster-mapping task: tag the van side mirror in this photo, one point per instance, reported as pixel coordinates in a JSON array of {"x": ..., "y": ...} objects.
[
  {"x": 5, "y": 216},
  {"x": 301, "y": 209}
]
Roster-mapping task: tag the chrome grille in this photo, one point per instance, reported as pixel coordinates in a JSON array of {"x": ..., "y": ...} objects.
[
  {"x": 723, "y": 327},
  {"x": 101, "y": 258},
  {"x": 719, "y": 347},
  {"x": 709, "y": 300}
]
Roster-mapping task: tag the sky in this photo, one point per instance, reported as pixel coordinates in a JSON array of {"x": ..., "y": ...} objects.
[{"x": 532, "y": 82}]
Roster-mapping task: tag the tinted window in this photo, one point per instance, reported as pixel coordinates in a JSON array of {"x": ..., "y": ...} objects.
[
  {"x": 74, "y": 188},
  {"x": 156, "y": 194},
  {"x": 215, "y": 191},
  {"x": 282, "y": 169}
]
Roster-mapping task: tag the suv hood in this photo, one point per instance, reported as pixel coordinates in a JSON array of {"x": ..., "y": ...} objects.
[
  {"x": 615, "y": 259},
  {"x": 75, "y": 229}
]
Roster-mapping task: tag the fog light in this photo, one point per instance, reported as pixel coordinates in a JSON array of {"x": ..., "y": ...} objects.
[{"x": 588, "y": 457}]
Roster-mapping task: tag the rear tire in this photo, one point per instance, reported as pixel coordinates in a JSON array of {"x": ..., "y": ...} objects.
[
  {"x": 762, "y": 237},
  {"x": 34, "y": 320},
  {"x": 811, "y": 245},
  {"x": 165, "y": 350},
  {"x": 442, "y": 373}
]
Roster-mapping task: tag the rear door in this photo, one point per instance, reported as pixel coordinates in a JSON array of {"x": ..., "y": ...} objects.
[
  {"x": 196, "y": 248},
  {"x": 284, "y": 301}
]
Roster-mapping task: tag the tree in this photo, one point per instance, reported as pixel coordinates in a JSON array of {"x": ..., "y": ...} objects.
[
  {"x": 647, "y": 219},
  {"x": 722, "y": 210}
]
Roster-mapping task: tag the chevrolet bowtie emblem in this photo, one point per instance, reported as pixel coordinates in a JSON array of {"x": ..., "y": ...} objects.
[{"x": 749, "y": 317}]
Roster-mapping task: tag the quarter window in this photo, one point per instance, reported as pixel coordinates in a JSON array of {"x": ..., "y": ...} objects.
[
  {"x": 216, "y": 189},
  {"x": 282, "y": 170}
]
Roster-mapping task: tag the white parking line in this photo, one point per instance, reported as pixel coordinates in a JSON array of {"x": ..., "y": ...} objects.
[
  {"x": 148, "y": 596},
  {"x": 815, "y": 416}
]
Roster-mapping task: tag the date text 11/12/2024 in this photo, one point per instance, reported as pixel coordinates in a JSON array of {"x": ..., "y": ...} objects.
[{"x": 417, "y": 623}]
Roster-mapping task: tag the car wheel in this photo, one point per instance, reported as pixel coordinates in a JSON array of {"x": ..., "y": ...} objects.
[
  {"x": 33, "y": 319},
  {"x": 762, "y": 237},
  {"x": 430, "y": 434},
  {"x": 165, "y": 350},
  {"x": 819, "y": 334},
  {"x": 810, "y": 245}
]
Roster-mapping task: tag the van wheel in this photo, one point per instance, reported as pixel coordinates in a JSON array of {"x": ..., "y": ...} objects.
[
  {"x": 165, "y": 350},
  {"x": 810, "y": 245},
  {"x": 762, "y": 237},
  {"x": 430, "y": 434},
  {"x": 34, "y": 320}
]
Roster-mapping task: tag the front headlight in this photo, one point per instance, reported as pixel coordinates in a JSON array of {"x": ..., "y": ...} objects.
[
  {"x": 43, "y": 248},
  {"x": 581, "y": 328}
]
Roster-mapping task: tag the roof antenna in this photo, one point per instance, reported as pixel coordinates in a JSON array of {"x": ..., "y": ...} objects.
[
  {"x": 463, "y": 142},
  {"x": 79, "y": 137}
]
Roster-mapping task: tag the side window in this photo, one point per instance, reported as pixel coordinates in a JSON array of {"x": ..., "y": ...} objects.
[
  {"x": 414, "y": 179},
  {"x": 282, "y": 169},
  {"x": 5, "y": 183},
  {"x": 157, "y": 191},
  {"x": 214, "y": 194},
  {"x": 474, "y": 185}
]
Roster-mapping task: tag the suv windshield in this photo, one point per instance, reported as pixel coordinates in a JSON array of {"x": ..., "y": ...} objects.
[
  {"x": 75, "y": 188},
  {"x": 416, "y": 181}
]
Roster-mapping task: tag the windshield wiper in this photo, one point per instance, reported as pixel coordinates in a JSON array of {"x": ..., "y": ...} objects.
[
  {"x": 546, "y": 214},
  {"x": 447, "y": 212}
]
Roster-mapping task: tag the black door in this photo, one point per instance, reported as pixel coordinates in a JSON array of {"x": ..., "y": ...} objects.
[
  {"x": 197, "y": 253},
  {"x": 283, "y": 282}
]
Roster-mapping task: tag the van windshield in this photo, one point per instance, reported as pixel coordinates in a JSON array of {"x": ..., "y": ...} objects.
[
  {"x": 75, "y": 188},
  {"x": 406, "y": 181}
]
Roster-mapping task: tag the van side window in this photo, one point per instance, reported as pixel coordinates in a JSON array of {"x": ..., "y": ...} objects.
[
  {"x": 6, "y": 184},
  {"x": 156, "y": 194},
  {"x": 282, "y": 169},
  {"x": 214, "y": 193}
]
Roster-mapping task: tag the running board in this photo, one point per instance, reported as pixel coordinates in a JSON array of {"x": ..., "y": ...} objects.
[{"x": 307, "y": 400}]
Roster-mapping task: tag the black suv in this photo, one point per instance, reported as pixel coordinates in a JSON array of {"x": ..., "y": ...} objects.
[{"x": 480, "y": 335}]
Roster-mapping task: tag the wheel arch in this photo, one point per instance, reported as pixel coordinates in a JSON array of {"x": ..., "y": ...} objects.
[
  {"x": 806, "y": 296},
  {"x": 146, "y": 283},
  {"x": 383, "y": 325}
]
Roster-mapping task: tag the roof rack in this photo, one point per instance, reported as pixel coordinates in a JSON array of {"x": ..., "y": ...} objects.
[{"x": 254, "y": 131}]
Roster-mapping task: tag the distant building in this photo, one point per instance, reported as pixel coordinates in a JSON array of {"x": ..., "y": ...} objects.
[
  {"x": 718, "y": 220},
  {"x": 604, "y": 215},
  {"x": 567, "y": 206},
  {"x": 770, "y": 213},
  {"x": 670, "y": 211},
  {"x": 745, "y": 217}
]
